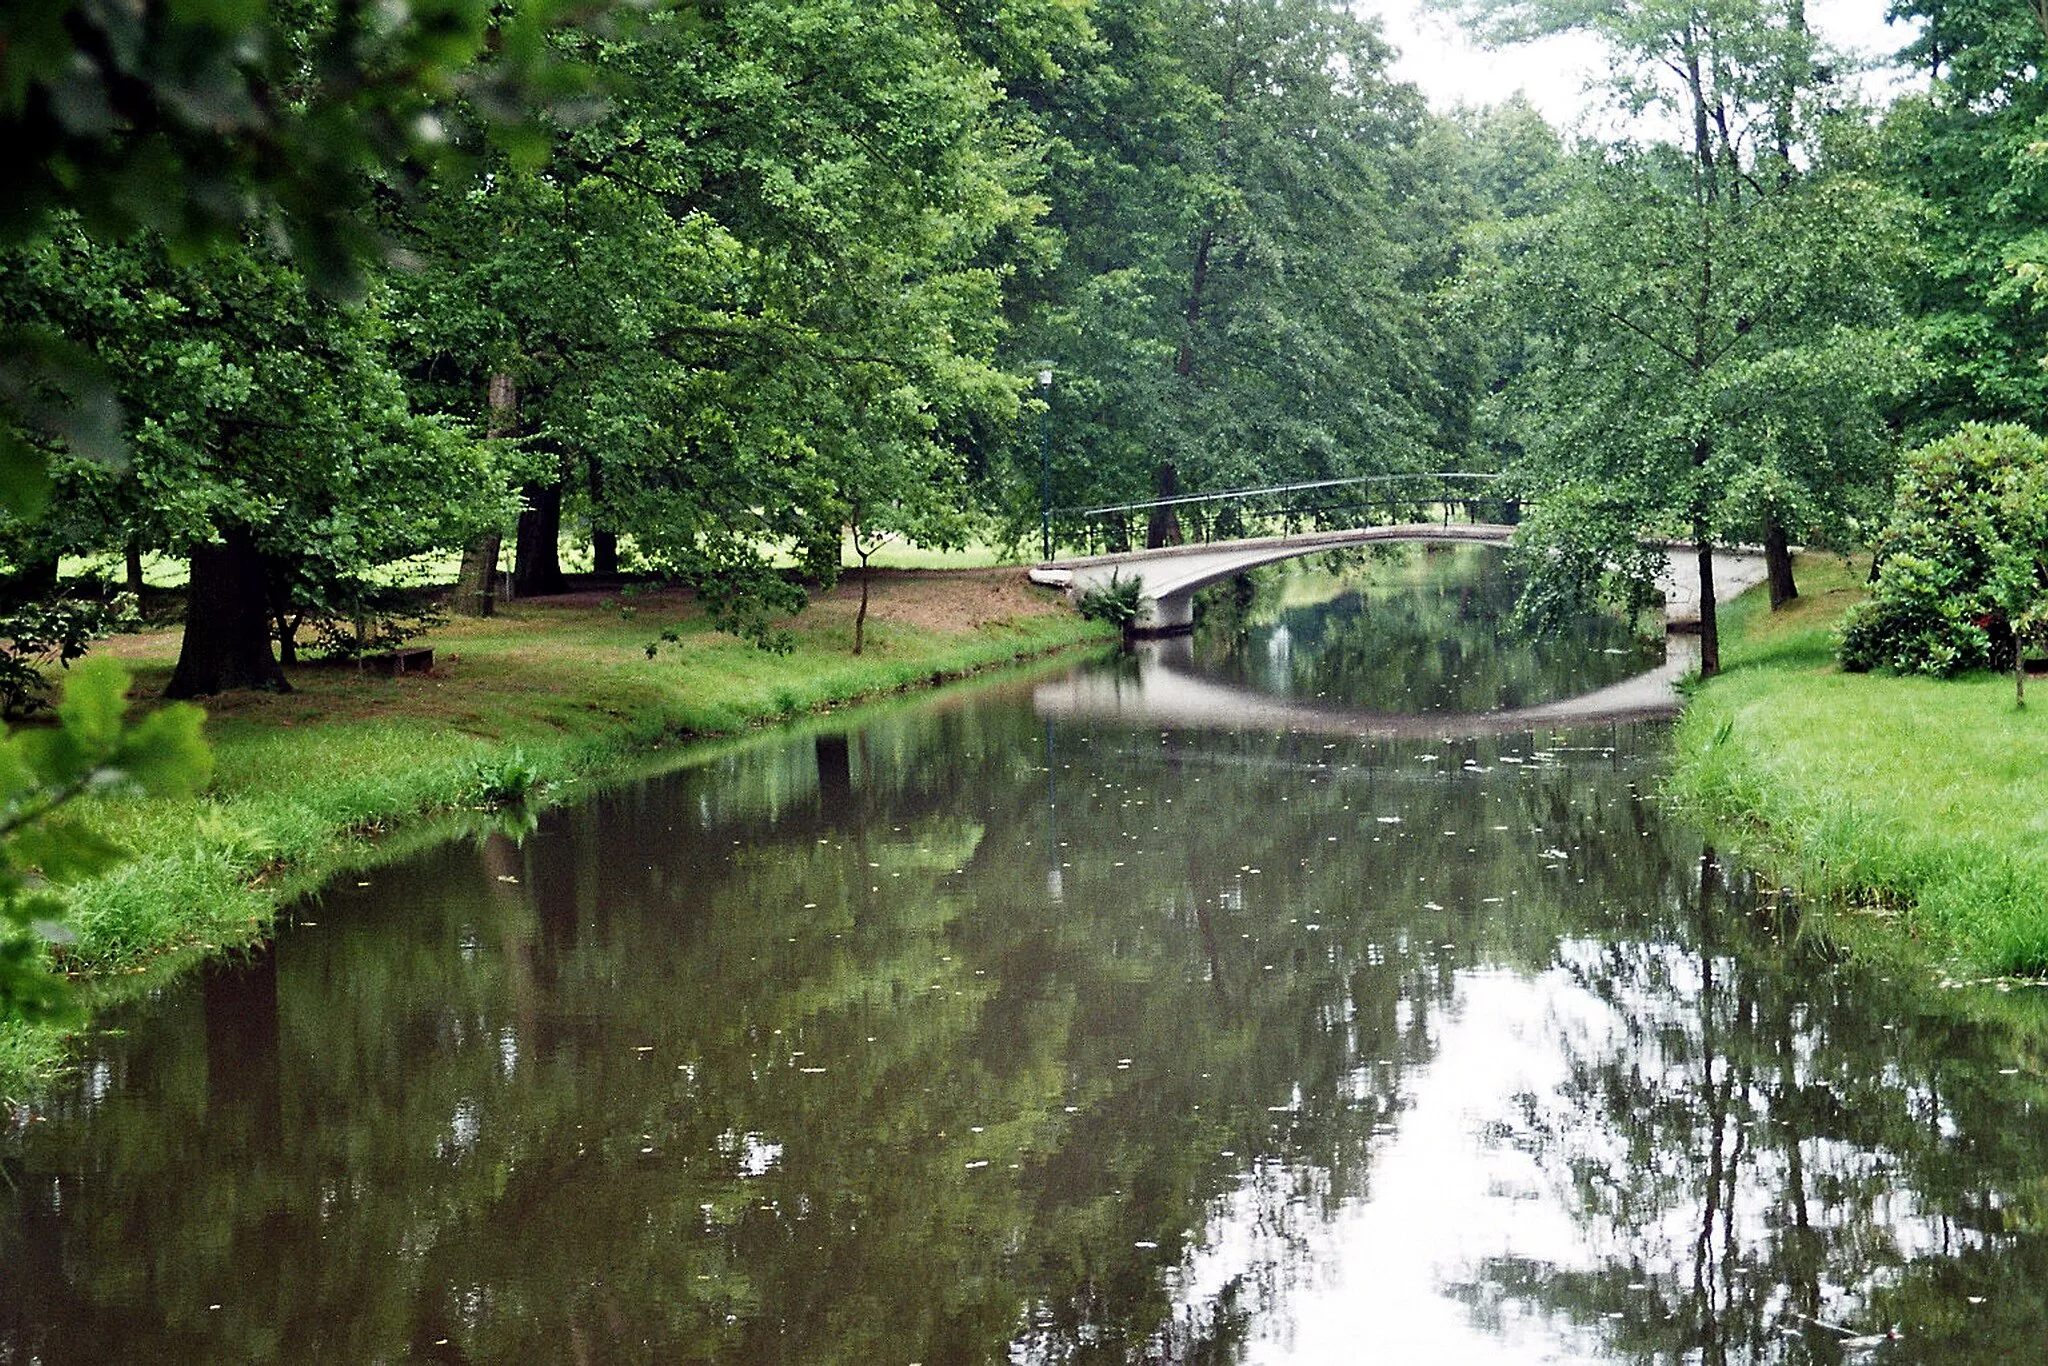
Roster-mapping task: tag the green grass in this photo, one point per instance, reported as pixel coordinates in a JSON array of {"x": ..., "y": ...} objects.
[
  {"x": 1922, "y": 804},
  {"x": 314, "y": 782}
]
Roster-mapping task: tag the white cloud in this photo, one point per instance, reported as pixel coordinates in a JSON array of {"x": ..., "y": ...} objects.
[{"x": 1556, "y": 73}]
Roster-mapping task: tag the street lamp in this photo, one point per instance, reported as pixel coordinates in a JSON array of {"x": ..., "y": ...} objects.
[{"x": 1045, "y": 460}]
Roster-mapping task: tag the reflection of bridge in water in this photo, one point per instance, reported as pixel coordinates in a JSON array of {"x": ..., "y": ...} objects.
[
  {"x": 1170, "y": 576},
  {"x": 1168, "y": 690}
]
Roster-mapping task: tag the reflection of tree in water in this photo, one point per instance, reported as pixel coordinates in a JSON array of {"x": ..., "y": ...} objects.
[
  {"x": 736, "y": 1065},
  {"x": 1790, "y": 1158},
  {"x": 795, "y": 1056},
  {"x": 1424, "y": 629}
]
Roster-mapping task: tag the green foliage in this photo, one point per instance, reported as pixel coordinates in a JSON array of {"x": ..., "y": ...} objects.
[
  {"x": 505, "y": 780},
  {"x": 1914, "y": 800},
  {"x": 785, "y": 292},
  {"x": 1577, "y": 548},
  {"x": 1701, "y": 338},
  {"x": 1117, "y": 602},
  {"x": 1963, "y": 560},
  {"x": 200, "y": 123},
  {"x": 1970, "y": 147},
  {"x": 351, "y": 620},
  {"x": 234, "y": 372},
  {"x": 44, "y": 847},
  {"x": 37, "y": 635},
  {"x": 1246, "y": 216}
]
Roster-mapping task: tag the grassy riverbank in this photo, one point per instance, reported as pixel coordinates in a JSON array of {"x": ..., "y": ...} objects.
[
  {"x": 1922, "y": 804},
  {"x": 556, "y": 690}
]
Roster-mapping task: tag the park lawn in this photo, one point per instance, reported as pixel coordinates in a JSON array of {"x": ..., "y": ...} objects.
[
  {"x": 304, "y": 784},
  {"x": 1922, "y": 804}
]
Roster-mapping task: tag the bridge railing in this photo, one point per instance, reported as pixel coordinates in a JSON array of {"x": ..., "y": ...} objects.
[{"x": 1288, "y": 509}]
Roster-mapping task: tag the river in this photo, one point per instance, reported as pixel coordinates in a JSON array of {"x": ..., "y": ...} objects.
[{"x": 989, "y": 1027}]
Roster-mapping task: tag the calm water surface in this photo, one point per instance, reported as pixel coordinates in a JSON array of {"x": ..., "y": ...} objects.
[{"x": 975, "y": 1030}]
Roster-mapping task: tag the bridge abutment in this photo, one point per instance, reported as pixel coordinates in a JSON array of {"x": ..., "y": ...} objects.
[{"x": 1173, "y": 615}]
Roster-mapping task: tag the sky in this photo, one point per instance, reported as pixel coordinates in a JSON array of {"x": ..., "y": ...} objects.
[{"x": 1554, "y": 73}]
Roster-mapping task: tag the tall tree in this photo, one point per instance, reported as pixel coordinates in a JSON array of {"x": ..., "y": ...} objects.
[
  {"x": 204, "y": 122},
  {"x": 1249, "y": 220},
  {"x": 269, "y": 431},
  {"x": 1969, "y": 148},
  {"x": 772, "y": 246},
  {"x": 1708, "y": 317}
]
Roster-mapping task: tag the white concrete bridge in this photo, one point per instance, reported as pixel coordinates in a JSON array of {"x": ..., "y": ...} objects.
[{"x": 1170, "y": 577}]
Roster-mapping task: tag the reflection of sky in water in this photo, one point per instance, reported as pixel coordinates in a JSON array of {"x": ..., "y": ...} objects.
[
  {"x": 1448, "y": 1190},
  {"x": 1485, "y": 1175},
  {"x": 1020, "y": 1021},
  {"x": 1412, "y": 628}
]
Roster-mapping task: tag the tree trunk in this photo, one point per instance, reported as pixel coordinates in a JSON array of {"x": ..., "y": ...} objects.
[
  {"x": 538, "y": 569},
  {"x": 131, "y": 557},
  {"x": 1710, "y": 624},
  {"x": 604, "y": 543},
  {"x": 1778, "y": 560},
  {"x": 227, "y": 622},
  {"x": 860, "y": 618},
  {"x": 239, "y": 1013},
  {"x": 835, "y": 778},
  {"x": 476, "y": 583},
  {"x": 1164, "y": 528}
]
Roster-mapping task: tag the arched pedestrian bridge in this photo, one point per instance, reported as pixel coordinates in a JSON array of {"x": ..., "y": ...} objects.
[{"x": 1170, "y": 577}]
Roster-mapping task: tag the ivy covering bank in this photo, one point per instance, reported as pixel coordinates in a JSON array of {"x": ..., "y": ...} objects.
[
  {"x": 1917, "y": 801},
  {"x": 545, "y": 696}
]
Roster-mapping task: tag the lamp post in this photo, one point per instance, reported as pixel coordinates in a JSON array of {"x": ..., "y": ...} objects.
[{"x": 1045, "y": 461}]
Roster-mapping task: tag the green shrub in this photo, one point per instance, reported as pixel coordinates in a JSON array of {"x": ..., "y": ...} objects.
[
  {"x": 39, "y": 634},
  {"x": 1118, "y": 601},
  {"x": 505, "y": 781},
  {"x": 1964, "y": 558}
]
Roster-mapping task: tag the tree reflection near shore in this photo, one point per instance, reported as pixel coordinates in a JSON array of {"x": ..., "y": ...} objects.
[{"x": 969, "y": 1034}]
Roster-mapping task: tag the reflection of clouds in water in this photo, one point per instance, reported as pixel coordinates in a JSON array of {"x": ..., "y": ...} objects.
[
  {"x": 1608, "y": 1158},
  {"x": 1451, "y": 1186},
  {"x": 1280, "y": 645},
  {"x": 751, "y": 1153}
]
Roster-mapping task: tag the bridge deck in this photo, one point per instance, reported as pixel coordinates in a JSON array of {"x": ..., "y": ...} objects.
[{"x": 1171, "y": 575}]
